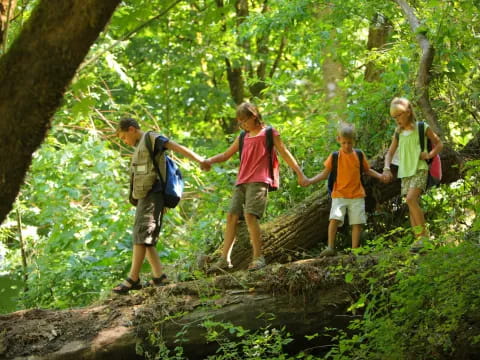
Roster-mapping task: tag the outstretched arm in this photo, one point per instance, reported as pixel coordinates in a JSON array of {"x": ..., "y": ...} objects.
[
  {"x": 319, "y": 177},
  {"x": 376, "y": 175},
  {"x": 387, "y": 174},
  {"x": 290, "y": 160},
  {"x": 171, "y": 145},
  {"x": 225, "y": 155}
]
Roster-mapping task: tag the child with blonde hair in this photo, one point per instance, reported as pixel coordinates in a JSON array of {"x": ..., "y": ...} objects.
[
  {"x": 348, "y": 194},
  {"x": 412, "y": 167}
]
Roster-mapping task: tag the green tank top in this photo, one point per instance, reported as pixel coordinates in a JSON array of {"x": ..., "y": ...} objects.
[{"x": 409, "y": 153}]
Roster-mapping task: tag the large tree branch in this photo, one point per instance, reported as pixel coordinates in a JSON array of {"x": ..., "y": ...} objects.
[
  {"x": 34, "y": 75},
  {"x": 425, "y": 66}
]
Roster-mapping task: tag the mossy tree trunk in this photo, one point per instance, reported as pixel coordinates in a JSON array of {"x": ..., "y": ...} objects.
[{"x": 34, "y": 74}]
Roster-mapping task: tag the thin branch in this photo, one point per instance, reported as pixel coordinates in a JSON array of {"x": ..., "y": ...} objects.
[
  {"x": 425, "y": 66},
  {"x": 279, "y": 56},
  {"x": 128, "y": 35}
]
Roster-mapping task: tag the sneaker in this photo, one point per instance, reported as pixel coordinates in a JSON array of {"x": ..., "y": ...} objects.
[
  {"x": 328, "y": 252},
  {"x": 257, "y": 264},
  {"x": 417, "y": 246},
  {"x": 220, "y": 265}
]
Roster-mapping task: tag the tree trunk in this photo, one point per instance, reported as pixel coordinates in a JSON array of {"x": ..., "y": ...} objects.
[
  {"x": 35, "y": 73},
  {"x": 378, "y": 34},
  {"x": 306, "y": 225},
  {"x": 7, "y": 9},
  {"x": 305, "y": 297}
]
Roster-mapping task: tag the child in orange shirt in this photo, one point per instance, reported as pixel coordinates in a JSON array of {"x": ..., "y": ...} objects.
[{"x": 348, "y": 193}]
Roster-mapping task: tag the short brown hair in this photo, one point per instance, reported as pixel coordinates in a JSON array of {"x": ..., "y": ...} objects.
[
  {"x": 346, "y": 131},
  {"x": 125, "y": 123}
]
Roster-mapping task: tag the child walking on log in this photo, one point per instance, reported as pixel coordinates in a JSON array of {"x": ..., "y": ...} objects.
[
  {"x": 412, "y": 167},
  {"x": 258, "y": 172},
  {"x": 348, "y": 194}
]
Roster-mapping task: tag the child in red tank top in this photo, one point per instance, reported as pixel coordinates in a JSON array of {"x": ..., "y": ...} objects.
[{"x": 253, "y": 180}]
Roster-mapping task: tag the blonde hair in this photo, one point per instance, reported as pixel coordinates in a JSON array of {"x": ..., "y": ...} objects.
[
  {"x": 403, "y": 104},
  {"x": 247, "y": 109},
  {"x": 347, "y": 131}
]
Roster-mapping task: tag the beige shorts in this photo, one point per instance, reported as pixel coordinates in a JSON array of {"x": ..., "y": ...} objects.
[
  {"x": 417, "y": 181},
  {"x": 355, "y": 208},
  {"x": 249, "y": 198}
]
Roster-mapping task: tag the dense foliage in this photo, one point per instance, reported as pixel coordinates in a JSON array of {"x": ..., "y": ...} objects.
[{"x": 172, "y": 66}]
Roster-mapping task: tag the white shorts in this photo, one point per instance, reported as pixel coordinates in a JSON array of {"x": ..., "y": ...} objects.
[{"x": 355, "y": 208}]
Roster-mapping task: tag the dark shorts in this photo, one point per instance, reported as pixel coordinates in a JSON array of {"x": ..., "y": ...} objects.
[
  {"x": 249, "y": 198},
  {"x": 147, "y": 219}
]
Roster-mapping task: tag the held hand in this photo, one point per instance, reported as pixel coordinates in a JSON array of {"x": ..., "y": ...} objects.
[
  {"x": 387, "y": 176},
  {"x": 303, "y": 180},
  {"x": 205, "y": 165},
  {"x": 424, "y": 156}
]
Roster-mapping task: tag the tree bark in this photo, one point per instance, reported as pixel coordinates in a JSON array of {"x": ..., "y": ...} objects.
[
  {"x": 305, "y": 297},
  {"x": 378, "y": 34},
  {"x": 35, "y": 73}
]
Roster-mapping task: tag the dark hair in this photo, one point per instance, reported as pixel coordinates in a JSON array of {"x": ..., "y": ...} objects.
[
  {"x": 125, "y": 123},
  {"x": 248, "y": 109}
]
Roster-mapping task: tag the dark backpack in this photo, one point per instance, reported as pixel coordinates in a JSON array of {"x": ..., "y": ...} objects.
[
  {"x": 332, "y": 177},
  {"x": 435, "y": 164},
  {"x": 268, "y": 144},
  {"x": 172, "y": 185}
]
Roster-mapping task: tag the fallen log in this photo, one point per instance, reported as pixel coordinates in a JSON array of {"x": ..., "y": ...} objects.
[{"x": 305, "y": 297}]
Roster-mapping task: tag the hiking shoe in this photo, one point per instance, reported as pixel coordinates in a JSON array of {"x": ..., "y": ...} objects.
[
  {"x": 257, "y": 264},
  {"x": 417, "y": 246},
  {"x": 220, "y": 265},
  {"x": 328, "y": 252}
]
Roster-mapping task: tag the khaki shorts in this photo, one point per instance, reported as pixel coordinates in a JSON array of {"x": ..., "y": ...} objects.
[
  {"x": 355, "y": 208},
  {"x": 249, "y": 198},
  {"x": 147, "y": 219},
  {"x": 417, "y": 181}
]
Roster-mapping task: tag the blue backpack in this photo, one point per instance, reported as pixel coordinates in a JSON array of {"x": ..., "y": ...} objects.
[
  {"x": 172, "y": 186},
  {"x": 332, "y": 177}
]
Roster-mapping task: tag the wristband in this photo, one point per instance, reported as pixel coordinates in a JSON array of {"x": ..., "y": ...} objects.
[{"x": 386, "y": 168}]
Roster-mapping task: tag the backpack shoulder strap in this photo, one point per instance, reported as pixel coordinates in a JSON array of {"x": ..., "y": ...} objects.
[
  {"x": 269, "y": 138},
  {"x": 269, "y": 144},
  {"x": 334, "y": 166},
  {"x": 148, "y": 145},
  {"x": 421, "y": 135},
  {"x": 360, "y": 158},
  {"x": 241, "y": 139}
]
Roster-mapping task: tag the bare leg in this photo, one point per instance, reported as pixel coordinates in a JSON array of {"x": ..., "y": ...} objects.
[
  {"x": 415, "y": 211},
  {"x": 138, "y": 257},
  {"x": 332, "y": 232},
  {"x": 356, "y": 231},
  {"x": 154, "y": 260},
  {"x": 255, "y": 234},
  {"x": 229, "y": 235}
]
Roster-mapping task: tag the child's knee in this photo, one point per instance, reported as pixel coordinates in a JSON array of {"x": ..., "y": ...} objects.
[
  {"x": 231, "y": 217},
  {"x": 251, "y": 217}
]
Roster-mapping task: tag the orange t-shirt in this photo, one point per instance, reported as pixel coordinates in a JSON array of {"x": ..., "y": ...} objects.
[{"x": 348, "y": 184}]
